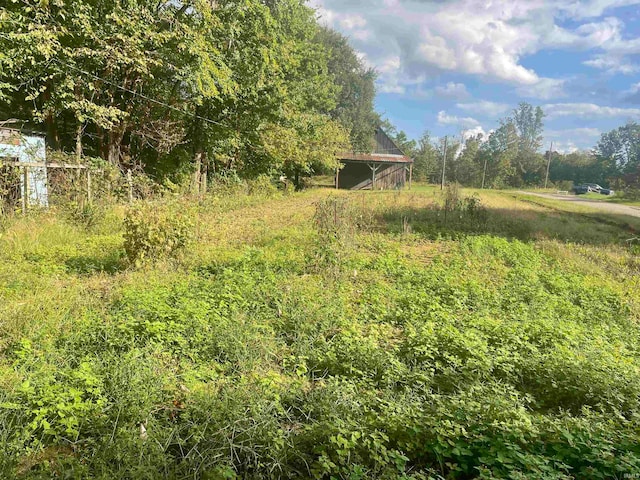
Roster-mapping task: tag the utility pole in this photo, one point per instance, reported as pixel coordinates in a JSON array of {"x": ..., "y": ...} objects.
[
  {"x": 546, "y": 180},
  {"x": 484, "y": 171},
  {"x": 444, "y": 163}
]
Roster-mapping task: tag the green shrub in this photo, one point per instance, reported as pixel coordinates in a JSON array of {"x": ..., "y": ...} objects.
[
  {"x": 262, "y": 186},
  {"x": 153, "y": 231},
  {"x": 484, "y": 357},
  {"x": 336, "y": 221},
  {"x": 85, "y": 215}
]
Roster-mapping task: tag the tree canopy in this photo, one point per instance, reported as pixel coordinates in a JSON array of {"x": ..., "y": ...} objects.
[
  {"x": 174, "y": 85},
  {"x": 511, "y": 156}
]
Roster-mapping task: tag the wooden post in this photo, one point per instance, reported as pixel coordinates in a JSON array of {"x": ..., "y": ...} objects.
[
  {"x": 444, "y": 164},
  {"x": 89, "y": 186},
  {"x": 546, "y": 179},
  {"x": 374, "y": 168},
  {"x": 25, "y": 189},
  {"x": 130, "y": 184},
  {"x": 338, "y": 177},
  {"x": 484, "y": 171}
]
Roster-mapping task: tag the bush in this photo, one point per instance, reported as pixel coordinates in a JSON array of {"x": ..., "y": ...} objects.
[
  {"x": 564, "y": 185},
  {"x": 262, "y": 186},
  {"x": 336, "y": 221},
  {"x": 152, "y": 232},
  {"x": 85, "y": 215}
]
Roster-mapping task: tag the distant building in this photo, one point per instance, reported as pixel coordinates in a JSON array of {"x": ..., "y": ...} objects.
[
  {"x": 387, "y": 167},
  {"x": 23, "y": 171}
]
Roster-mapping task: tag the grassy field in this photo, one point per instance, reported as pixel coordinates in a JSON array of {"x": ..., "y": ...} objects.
[
  {"x": 323, "y": 334},
  {"x": 618, "y": 198}
]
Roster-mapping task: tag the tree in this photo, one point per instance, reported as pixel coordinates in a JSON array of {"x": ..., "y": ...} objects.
[
  {"x": 467, "y": 169},
  {"x": 618, "y": 152},
  {"x": 451, "y": 151},
  {"x": 529, "y": 165},
  {"x": 577, "y": 167},
  {"x": 528, "y": 123},
  {"x": 497, "y": 155},
  {"x": 426, "y": 160},
  {"x": 94, "y": 65},
  {"x": 354, "y": 108},
  {"x": 308, "y": 144},
  {"x": 184, "y": 86}
]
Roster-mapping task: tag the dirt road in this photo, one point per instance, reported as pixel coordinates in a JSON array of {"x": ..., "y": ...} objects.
[{"x": 604, "y": 206}]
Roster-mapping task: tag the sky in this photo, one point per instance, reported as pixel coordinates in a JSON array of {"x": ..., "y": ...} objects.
[{"x": 455, "y": 67}]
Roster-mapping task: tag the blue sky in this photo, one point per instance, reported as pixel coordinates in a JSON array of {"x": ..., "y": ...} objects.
[{"x": 455, "y": 67}]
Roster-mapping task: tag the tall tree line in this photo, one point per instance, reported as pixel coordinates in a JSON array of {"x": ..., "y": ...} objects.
[
  {"x": 508, "y": 156},
  {"x": 178, "y": 86},
  {"x": 511, "y": 156}
]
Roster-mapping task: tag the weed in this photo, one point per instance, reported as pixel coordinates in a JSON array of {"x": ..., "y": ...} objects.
[
  {"x": 154, "y": 231},
  {"x": 500, "y": 343}
]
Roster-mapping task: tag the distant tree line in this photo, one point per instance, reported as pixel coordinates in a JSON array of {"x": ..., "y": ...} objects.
[
  {"x": 177, "y": 86},
  {"x": 511, "y": 156}
]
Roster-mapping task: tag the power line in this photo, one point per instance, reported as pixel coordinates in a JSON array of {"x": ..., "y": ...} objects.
[
  {"x": 120, "y": 87},
  {"x": 141, "y": 95}
]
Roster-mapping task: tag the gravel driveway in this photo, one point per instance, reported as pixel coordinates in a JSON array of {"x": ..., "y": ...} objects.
[{"x": 604, "y": 206}]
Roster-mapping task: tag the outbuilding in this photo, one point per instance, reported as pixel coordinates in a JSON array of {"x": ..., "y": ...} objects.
[
  {"x": 23, "y": 168},
  {"x": 387, "y": 167}
]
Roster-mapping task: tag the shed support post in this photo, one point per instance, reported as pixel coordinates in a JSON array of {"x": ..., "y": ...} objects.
[
  {"x": 374, "y": 169},
  {"x": 409, "y": 169},
  {"x": 337, "y": 177}
]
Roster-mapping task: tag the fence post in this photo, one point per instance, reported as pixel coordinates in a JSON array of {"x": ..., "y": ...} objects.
[
  {"x": 25, "y": 189},
  {"x": 88, "y": 186}
]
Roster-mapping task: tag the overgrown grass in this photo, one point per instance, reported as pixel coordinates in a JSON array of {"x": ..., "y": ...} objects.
[{"x": 324, "y": 334}]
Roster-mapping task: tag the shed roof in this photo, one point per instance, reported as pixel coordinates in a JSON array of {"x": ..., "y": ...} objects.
[
  {"x": 385, "y": 151},
  {"x": 375, "y": 157}
]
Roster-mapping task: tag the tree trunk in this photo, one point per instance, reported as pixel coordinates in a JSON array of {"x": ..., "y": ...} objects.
[
  {"x": 52, "y": 130},
  {"x": 79, "y": 143},
  {"x": 197, "y": 172},
  {"x": 115, "y": 137},
  {"x": 204, "y": 174}
]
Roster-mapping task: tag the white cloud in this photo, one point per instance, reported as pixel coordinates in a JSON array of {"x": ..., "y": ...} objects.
[
  {"x": 544, "y": 89},
  {"x": 352, "y": 22},
  {"x": 591, "y": 8},
  {"x": 389, "y": 78},
  {"x": 572, "y": 139},
  {"x": 612, "y": 64},
  {"x": 485, "y": 108},
  {"x": 585, "y": 132},
  {"x": 635, "y": 88},
  {"x": 599, "y": 34},
  {"x": 453, "y": 90},
  {"x": 487, "y": 39},
  {"x": 473, "y": 133},
  {"x": 566, "y": 147},
  {"x": 465, "y": 122},
  {"x": 588, "y": 110}
]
